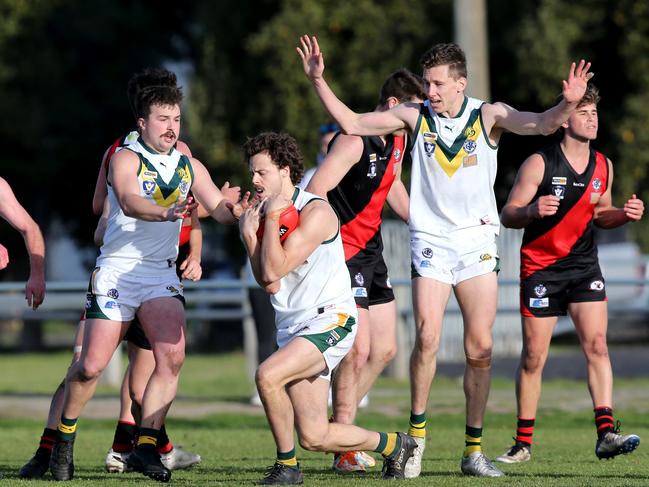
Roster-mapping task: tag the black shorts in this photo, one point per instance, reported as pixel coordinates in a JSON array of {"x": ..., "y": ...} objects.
[
  {"x": 543, "y": 298},
  {"x": 369, "y": 280},
  {"x": 135, "y": 335}
]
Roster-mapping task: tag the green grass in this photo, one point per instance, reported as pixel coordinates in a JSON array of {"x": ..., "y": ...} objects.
[{"x": 236, "y": 447}]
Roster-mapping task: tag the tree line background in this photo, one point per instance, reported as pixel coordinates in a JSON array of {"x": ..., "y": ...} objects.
[{"x": 64, "y": 65}]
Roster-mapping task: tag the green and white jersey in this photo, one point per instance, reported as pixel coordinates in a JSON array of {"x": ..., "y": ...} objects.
[
  {"x": 453, "y": 172},
  {"x": 147, "y": 248},
  {"x": 320, "y": 284}
]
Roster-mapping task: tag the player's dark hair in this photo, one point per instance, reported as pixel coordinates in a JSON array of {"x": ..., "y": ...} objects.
[
  {"x": 156, "y": 95},
  {"x": 402, "y": 85},
  {"x": 446, "y": 54},
  {"x": 146, "y": 78},
  {"x": 282, "y": 150}
]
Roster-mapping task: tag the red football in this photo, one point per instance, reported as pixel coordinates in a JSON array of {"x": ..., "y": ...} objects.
[{"x": 289, "y": 219}]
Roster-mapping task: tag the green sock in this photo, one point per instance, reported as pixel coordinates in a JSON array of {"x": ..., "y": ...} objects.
[
  {"x": 287, "y": 458},
  {"x": 472, "y": 440},
  {"x": 67, "y": 428},
  {"x": 417, "y": 427},
  {"x": 388, "y": 444}
]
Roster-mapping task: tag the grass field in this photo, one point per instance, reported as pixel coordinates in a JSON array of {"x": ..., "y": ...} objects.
[{"x": 236, "y": 446}]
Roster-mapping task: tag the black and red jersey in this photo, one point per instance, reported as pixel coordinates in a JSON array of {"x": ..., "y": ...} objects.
[
  {"x": 359, "y": 197},
  {"x": 562, "y": 245}
]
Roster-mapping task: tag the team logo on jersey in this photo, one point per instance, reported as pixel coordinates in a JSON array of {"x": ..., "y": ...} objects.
[
  {"x": 371, "y": 171},
  {"x": 470, "y": 146},
  {"x": 359, "y": 292},
  {"x": 113, "y": 293},
  {"x": 111, "y": 305},
  {"x": 397, "y": 155},
  {"x": 578, "y": 185},
  {"x": 360, "y": 280},
  {"x": 559, "y": 180},
  {"x": 149, "y": 175},
  {"x": 540, "y": 290},
  {"x": 172, "y": 289},
  {"x": 427, "y": 252},
  {"x": 425, "y": 264},
  {"x": 469, "y": 132},
  {"x": 485, "y": 257},
  {"x": 184, "y": 187},
  {"x": 559, "y": 191},
  {"x": 429, "y": 143},
  {"x": 539, "y": 303},
  {"x": 372, "y": 157},
  {"x": 597, "y": 184},
  {"x": 88, "y": 300},
  {"x": 333, "y": 338},
  {"x": 597, "y": 285},
  {"x": 181, "y": 172},
  {"x": 148, "y": 186}
]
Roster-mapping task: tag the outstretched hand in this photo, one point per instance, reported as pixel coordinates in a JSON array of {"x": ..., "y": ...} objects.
[
  {"x": 181, "y": 209},
  {"x": 575, "y": 87},
  {"x": 312, "y": 60},
  {"x": 230, "y": 193},
  {"x": 239, "y": 207}
]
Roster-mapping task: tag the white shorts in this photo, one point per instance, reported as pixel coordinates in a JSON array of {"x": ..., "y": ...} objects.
[
  {"x": 453, "y": 260},
  {"x": 332, "y": 332},
  {"x": 117, "y": 295}
]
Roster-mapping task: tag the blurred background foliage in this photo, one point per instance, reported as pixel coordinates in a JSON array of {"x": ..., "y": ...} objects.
[{"x": 64, "y": 66}]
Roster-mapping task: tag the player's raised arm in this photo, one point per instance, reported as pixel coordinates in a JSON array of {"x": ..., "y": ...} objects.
[
  {"x": 501, "y": 115},
  {"x": 373, "y": 123},
  {"x": 344, "y": 153},
  {"x": 520, "y": 210}
]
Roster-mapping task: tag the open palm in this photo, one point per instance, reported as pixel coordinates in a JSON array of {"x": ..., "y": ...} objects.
[
  {"x": 312, "y": 60},
  {"x": 575, "y": 87}
]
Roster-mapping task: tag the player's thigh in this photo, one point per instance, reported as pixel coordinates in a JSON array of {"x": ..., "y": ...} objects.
[
  {"x": 590, "y": 319},
  {"x": 429, "y": 299},
  {"x": 478, "y": 297},
  {"x": 298, "y": 359},
  {"x": 100, "y": 339},
  {"x": 163, "y": 321},
  {"x": 537, "y": 335},
  {"x": 141, "y": 361},
  {"x": 383, "y": 320}
]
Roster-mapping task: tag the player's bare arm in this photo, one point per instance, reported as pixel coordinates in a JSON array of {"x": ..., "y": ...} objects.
[
  {"x": 343, "y": 155},
  {"x": 210, "y": 197},
  {"x": 13, "y": 212},
  {"x": 318, "y": 222},
  {"x": 122, "y": 171},
  {"x": 373, "y": 123},
  {"x": 4, "y": 257},
  {"x": 191, "y": 266},
  {"x": 101, "y": 192},
  {"x": 398, "y": 197},
  {"x": 502, "y": 116},
  {"x": 248, "y": 226},
  {"x": 520, "y": 210},
  {"x": 608, "y": 216}
]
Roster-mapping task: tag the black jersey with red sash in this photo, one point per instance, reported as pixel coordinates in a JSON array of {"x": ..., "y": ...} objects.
[
  {"x": 359, "y": 197},
  {"x": 562, "y": 245}
]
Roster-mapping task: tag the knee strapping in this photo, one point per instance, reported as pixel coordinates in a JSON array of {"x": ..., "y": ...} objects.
[{"x": 478, "y": 363}]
